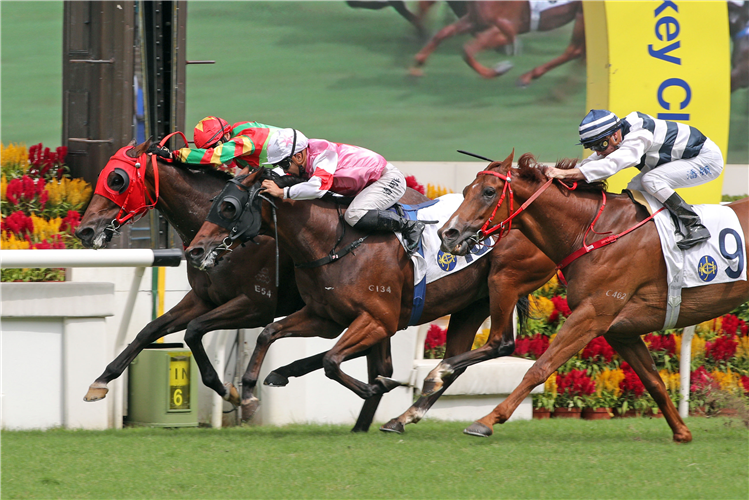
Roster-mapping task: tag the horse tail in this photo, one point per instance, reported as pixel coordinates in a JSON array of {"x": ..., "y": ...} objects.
[{"x": 523, "y": 308}]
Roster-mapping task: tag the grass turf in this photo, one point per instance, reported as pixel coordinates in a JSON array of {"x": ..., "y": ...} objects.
[
  {"x": 621, "y": 458},
  {"x": 333, "y": 72}
]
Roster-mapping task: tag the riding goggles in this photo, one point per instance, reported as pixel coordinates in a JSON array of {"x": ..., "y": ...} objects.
[{"x": 601, "y": 145}]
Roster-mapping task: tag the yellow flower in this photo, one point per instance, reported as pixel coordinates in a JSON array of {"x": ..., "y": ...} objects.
[
  {"x": 550, "y": 385},
  {"x": 8, "y": 241},
  {"x": 480, "y": 338},
  {"x": 436, "y": 191},
  {"x": 608, "y": 381},
  {"x": 44, "y": 228},
  {"x": 711, "y": 325},
  {"x": 671, "y": 379},
  {"x": 698, "y": 346},
  {"x": 73, "y": 191},
  {"x": 14, "y": 154},
  {"x": 3, "y": 187},
  {"x": 551, "y": 285},
  {"x": 729, "y": 381},
  {"x": 541, "y": 307},
  {"x": 742, "y": 349}
]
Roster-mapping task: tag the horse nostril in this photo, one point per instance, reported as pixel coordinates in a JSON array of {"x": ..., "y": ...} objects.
[
  {"x": 85, "y": 234},
  {"x": 449, "y": 234},
  {"x": 195, "y": 253}
]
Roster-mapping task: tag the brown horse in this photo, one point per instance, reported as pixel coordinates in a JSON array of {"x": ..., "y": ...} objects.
[
  {"x": 371, "y": 290},
  {"x": 618, "y": 291},
  {"x": 497, "y": 24},
  {"x": 239, "y": 293}
]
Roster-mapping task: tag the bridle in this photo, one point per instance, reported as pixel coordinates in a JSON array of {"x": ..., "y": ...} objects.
[
  {"x": 133, "y": 198},
  {"x": 505, "y": 226}
]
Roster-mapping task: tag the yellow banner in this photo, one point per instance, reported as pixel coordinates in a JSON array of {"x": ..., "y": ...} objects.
[{"x": 668, "y": 59}]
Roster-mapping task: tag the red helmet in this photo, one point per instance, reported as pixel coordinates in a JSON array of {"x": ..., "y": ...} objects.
[{"x": 209, "y": 130}]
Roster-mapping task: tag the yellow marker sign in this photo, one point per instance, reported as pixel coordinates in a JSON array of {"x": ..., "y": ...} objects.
[
  {"x": 669, "y": 59},
  {"x": 179, "y": 381}
]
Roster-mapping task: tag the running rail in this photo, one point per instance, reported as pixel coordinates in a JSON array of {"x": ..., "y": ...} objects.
[{"x": 137, "y": 258}]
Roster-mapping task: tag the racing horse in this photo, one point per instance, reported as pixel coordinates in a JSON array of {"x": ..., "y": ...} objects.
[
  {"x": 497, "y": 24},
  {"x": 239, "y": 293},
  {"x": 219, "y": 298},
  {"x": 367, "y": 286},
  {"x": 416, "y": 19},
  {"x": 618, "y": 290}
]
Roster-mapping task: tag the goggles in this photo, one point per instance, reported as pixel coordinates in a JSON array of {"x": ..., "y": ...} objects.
[{"x": 601, "y": 145}]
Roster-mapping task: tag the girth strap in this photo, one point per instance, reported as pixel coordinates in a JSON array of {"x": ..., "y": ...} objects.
[{"x": 333, "y": 255}]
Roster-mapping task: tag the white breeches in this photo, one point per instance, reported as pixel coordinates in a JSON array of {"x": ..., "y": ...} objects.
[
  {"x": 380, "y": 195},
  {"x": 661, "y": 181}
]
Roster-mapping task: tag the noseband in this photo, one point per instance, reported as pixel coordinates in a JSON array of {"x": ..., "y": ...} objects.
[{"x": 505, "y": 226}]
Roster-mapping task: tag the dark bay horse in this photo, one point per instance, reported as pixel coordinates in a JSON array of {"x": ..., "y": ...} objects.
[
  {"x": 497, "y": 24},
  {"x": 618, "y": 291},
  {"x": 239, "y": 293},
  {"x": 370, "y": 291}
]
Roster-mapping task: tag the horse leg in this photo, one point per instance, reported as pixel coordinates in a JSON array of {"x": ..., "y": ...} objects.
[
  {"x": 238, "y": 311},
  {"x": 379, "y": 364},
  {"x": 460, "y": 334},
  {"x": 488, "y": 39},
  {"x": 174, "y": 320},
  {"x": 302, "y": 323},
  {"x": 462, "y": 25},
  {"x": 574, "y": 50},
  {"x": 581, "y": 327},
  {"x": 280, "y": 376},
  {"x": 364, "y": 332},
  {"x": 637, "y": 355}
]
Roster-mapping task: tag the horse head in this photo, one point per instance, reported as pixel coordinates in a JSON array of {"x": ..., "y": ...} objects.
[
  {"x": 120, "y": 196},
  {"x": 235, "y": 217},
  {"x": 482, "y": 200}
]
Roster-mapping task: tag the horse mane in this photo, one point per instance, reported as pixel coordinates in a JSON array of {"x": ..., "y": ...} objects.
[{"x": 529, "y": 169}]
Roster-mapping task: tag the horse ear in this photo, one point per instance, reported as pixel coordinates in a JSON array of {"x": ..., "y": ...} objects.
[
  {"x": 139, "y": 149},
  {"x": 132, "y": 142},
  {"x": 508, "y": 161}
]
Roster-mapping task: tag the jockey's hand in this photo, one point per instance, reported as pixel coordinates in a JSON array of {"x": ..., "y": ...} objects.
[
  {"x": 571, "y": 174},
  {"x": 272, "y": 188},
  {"x": 160, "y": 151}
]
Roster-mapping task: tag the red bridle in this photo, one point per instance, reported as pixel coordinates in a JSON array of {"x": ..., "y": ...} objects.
[
  {"x": 135, "y": 200},
  {"x": 505, "y": 226}
]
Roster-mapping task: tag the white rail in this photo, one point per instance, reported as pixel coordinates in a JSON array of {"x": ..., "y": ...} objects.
[{"x": 90, "y": 258}]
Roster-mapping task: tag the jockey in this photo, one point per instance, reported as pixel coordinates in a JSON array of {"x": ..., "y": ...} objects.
[
  {"x": 347, "y": 170},
  {"x": 217, "y": 143},
  {"x": 668, "y": 154}
]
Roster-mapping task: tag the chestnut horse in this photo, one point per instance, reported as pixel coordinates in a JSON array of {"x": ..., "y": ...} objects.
[
  {"x": 370, "y": 291},
  {"x": 618, "y": 291},
  {"x": 497, "y": 24}
]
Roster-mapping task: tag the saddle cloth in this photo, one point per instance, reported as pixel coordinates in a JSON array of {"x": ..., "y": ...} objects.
[
  {"x": 538, "y": 6},
  {"x": 430, "y": 262},
  {"x": 721, "y": 259}
]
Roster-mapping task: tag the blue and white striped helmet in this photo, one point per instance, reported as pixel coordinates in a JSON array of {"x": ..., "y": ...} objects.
[{"x": 596, "y": 125}]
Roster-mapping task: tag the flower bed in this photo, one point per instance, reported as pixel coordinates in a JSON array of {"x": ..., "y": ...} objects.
[
  {"x": 40, "y": 205},
  {"x": 597, "y": 378}
]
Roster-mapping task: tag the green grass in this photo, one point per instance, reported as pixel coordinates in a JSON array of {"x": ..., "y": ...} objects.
[
  {"x": 332, "y": 72},
  {"x": 622, "y": 458}
]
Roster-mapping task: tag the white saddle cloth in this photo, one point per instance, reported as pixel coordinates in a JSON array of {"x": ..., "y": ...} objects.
[
  {"x": 436, "y": 264},
  {"x": 721, "y": 259}
]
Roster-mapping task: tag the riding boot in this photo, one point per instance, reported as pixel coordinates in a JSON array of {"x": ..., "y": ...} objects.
[
  {"x": 384, "y": 220},
  {"x": 694, "y": 231}
]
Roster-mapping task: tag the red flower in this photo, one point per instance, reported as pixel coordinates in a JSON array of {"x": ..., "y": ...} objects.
[
  {"x": 631, "y": 384},
  {"x": 701, "y": 379},
  {"x": 744, "y": 328},
  {"x": 575, "y": 383},
  {"x": 18, "y": 222},
  {"x": 661, "y": 343},
  {"x": 722, "y": 348},
  {"x": 538, "y": 344},
  {"x": 745, "y": 383},
  {"x": 71, "y": 221},
  {"x": 436, "y": 337},
  {"x": 560, "y": 307},
  {"x": 522, "y": 346},
  {"x": 414, "y": 184},
  {"x": 14, "y": 191},
  {"x": 598, "y": 349},
  {"x": 730, "y": 324}
]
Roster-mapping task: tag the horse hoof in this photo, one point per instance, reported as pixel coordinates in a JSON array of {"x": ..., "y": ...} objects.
[
  {"x": 393, "y": 426},
  {"x": 95, "y": 393},
  {"x": 276, "y": 380},
  {"x": 502, "y": 68},
  {"x": 478, "y": 429},
  {"x": 431, "y": 386},
  {"x": 683, "y": 437},
  {"x": 522, "y": 83},
  {"x": 416, "y": 72},
  {"x": 387, "y": 383},
  {"x": 232, "y": 395},
  {"x": 249, "y": 407}
]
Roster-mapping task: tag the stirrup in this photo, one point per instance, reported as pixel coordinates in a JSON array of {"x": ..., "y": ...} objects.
[{"x": 694, "y": 236}]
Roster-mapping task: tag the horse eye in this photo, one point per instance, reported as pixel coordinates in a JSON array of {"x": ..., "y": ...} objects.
[
  {"x": 227, "y": 210},
  {"x": 489, "y": 192},
  {"x": 116, "y": 182}
]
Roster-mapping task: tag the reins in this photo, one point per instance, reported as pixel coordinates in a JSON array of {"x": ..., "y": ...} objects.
[
  {"x": 333, "y": 255},
  {"x": 505, "y": 226}
]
